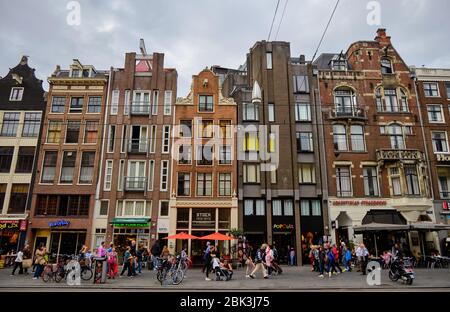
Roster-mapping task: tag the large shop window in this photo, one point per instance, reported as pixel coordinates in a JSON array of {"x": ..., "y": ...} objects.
[
  {"x": 25, "y": 159},
  {"x": 18, "y": 200},
  {"x": 62, "y": 205},
  {"x": 282, "y": 207},
  {"x": 254, "y": 207},
  {"x": 67, "y": 243},
  {"x": 204, "y": 218},
  {"x": 32, "y": 124},
  {"x": 6, "y": 155}
]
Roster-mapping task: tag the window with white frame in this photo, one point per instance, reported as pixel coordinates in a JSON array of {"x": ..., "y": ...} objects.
[
  {"x": 250, "y": 111},
  {"x": 440, "y": 142},
  {"x": 94, "y": 104},
  {"x": 68, "y": 167},
  {"x": 435, "y": 113},
  {"x": 141, "y": 102},
  {"x": 151, "y": 174},
  {"x": 166, "y": 139},
  {"x": 76, "y": 105},
  {"x": 302, "y": 112},
  {"x": 251, "y": 173},
  {"x": 204, "y": 184},
  {"x": 16, "y": 94},
  {"x": 310, "y": 208},
  {"x": 345, "y": 101},
  {"x": 225, "y": 155},
  {"x": 153, "y": 138},
  {"x": 224, "y": 184},
  {"x": 394, "y": 176},
  {"x": 269, "y": 64},
  {"x": 184, "y": 184},
  {"x": 104, "y": 207},
  {"x": 126, "y": 105},
  {"x": 121, "y": 177},
  {"x": 386, "y": 66},
  {"x": 10, "y": 124},
  {"x": 87, "y": 167},
  {"x": 163, "y": 208},
  {"x": 343, "y": 182},
  {"x": 164, "y": 175},
  {"x": 167, "y": 102},
  {"x": 32, "y": 124},
  {"x": 412, "y": 180},
  {"x": 431, "y": 89},
  {"x": 301, "y": 84},
  {"x": 205, "y": 103},
  {"x": 396, "y": 136},
  {"x": 115, "y": 102},
  {"x": 58, "y": 104},
  {"x": 111, "y": 138},
  {"x": 132, "y": 208},
  {"x": 306, "y": 173},
  {"x": 370, "y": 181},
  {"x": 444, "y": 182},
  {"x": 185, "y": 154},
  {"x": 340, "y": 137},
  {"x": 271, "y": 110},
  {"x": 357, "y": 138},
  {"x": 155, "y": 102},
  {"x": 447, "y": 87},
  {"x": 108, "y": 175}
]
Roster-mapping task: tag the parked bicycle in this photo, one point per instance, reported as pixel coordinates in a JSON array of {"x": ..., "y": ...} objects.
[{"x": 172, "y": 270}]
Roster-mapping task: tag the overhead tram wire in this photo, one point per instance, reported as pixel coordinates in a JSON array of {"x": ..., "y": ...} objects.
[
  {"x": 325, "y": 31},
  {"x": 273, "y": 20},
  {"x": 281, "y": 21}
]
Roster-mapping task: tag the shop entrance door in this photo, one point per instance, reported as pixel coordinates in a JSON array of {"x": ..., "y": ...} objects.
[
  {"x": 40, "y": 240},
  {"x": 121, "y": 242},
  {"x": 282, "y": 241},
  {"x": 198, "y": 246}
]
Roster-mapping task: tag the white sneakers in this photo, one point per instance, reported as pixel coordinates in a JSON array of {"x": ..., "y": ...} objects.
[{"x": 207, "y": 279}]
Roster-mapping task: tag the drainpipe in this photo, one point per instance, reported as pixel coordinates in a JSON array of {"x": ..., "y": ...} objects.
[
  {"x": 322, "y": 157},
  {"x": 102, "y": 147}
]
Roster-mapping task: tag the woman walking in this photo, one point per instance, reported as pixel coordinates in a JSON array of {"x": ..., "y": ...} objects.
[
  {"x": 112, "y": 263},
  {"x": 127, "y": 262},
  {"x": 18, "y": 263},
  {"x": 39, "y": 261}
]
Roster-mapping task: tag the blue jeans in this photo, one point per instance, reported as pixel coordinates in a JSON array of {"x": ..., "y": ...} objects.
[
  {"x": 38, "y": 271},
  {"x": 291, "y": 260},
  {"x": 139, "y": 266},
  {"x": 155, "y": 262}
]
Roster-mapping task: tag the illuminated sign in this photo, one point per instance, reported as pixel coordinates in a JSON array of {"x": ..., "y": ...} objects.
[
  {"x": 283, "y": 226},
  {"x": 135, "y": 225},
  {"x": 59, "y": 223},
  {"x": 359, "y": 202},
  {"x": 9, "y": 225}
]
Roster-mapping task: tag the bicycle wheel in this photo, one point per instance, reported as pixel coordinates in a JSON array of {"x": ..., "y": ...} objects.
[
  {"x": 86, "y": 273},
  {"x": 47, "y": 275},
  {"x": 177, "y": 277},
  {"x": 59, "y": 276}
]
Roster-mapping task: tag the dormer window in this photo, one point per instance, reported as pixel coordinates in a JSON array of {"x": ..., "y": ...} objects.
[
  {"x": 16, "y": 94},
  {"x": 75, "y": 73},
  {"x": 386, "y": 66},
  {"x": 86, "y": 73},
  {"x": 339, "y": 65}
]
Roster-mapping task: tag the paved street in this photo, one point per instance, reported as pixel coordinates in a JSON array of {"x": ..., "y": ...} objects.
[{"x": 292, "y": 279}]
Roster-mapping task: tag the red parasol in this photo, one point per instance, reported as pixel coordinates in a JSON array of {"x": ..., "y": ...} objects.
[
  {"x": 181, "y": 235},
  {"x": 216, "y": 236}
]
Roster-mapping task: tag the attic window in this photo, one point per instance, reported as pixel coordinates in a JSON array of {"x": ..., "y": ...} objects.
[
  {"x": 386, "y": 66},
  {"x": 75, "y": 73},
  {"x": 143, "y": 66},
  {"x": 339, "y": 64},
  {"x": 16, "y": 94},
  {"x": 86, "y": 73}
]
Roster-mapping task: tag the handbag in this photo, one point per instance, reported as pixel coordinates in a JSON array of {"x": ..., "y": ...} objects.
[{"x": 27, "y": 263}]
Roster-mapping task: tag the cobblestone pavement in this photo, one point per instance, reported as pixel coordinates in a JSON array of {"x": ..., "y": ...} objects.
[{"x": 292, "y": 279}]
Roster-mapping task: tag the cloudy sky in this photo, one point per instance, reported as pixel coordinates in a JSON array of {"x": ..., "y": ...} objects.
[{"x": 198, "y": 33}]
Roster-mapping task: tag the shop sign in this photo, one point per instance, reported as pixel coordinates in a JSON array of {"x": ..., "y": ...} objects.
[
  {"x": 283, "y": 226},
  {"x": 9, "y": 225},
  {"x": 443, "y": 158},
  {"x": 359, "y": 202},
  {"x": 132, "y": 225},
  {"x": 23, "y": 225},
  {"x": 446, "y": 205},
  {"x": 59, "y": 223},
  {"x": 203, "y": 216},
  {"x": 163, "y": 225}
]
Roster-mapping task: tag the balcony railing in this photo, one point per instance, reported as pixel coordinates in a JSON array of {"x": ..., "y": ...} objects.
[
  {"x": 348, "y": 112},
  {"x": 135, "y": 183},
  {"x": 140, "y": 108},
  {"x": 400, "y": 154},
  {"x": 137, "y": 146}
]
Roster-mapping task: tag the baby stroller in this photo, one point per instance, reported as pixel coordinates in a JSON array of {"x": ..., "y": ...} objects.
[{"x": 222, "y": 274}]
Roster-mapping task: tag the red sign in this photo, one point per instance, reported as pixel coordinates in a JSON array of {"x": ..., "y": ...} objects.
[
  {"x": 445, "y": 205},
  {"x": 359, "y": 202},
  {"x": 23, "y": 225}
]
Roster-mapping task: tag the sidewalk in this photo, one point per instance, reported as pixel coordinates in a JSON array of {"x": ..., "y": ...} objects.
[{"x": 293, "y": 278}]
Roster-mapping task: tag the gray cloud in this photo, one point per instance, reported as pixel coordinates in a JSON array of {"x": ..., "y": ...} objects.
[{"x": 198, "y": 33}]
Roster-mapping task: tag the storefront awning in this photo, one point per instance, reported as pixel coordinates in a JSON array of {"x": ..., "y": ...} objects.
[
  {"x": 374, "y": 227},
  {"x": 429, "y": 226},
  {"x": 130, "y": 221}
]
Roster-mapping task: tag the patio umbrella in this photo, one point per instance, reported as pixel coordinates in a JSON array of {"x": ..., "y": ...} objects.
[
  {"x": 216, "y": 236},
  {"x": 181, "y": 235}
]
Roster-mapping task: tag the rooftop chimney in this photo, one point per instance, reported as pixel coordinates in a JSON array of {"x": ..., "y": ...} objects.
[
  {"x": 302, "y": 59},
  {"x": 382, "y": 38}
]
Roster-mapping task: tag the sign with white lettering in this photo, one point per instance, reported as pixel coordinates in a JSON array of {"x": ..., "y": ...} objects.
[{"x": 59, "y": 223}]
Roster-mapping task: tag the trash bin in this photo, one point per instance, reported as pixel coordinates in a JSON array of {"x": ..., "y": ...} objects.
[{"x": 100, "y": 270}]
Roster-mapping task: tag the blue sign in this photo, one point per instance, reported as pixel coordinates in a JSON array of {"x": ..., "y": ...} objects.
[{"x": 59, "y": 223}]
